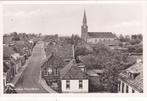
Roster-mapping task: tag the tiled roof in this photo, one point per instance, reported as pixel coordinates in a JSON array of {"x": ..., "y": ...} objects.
[
  {"x": 66, "y": 68},
  {"x": 16, "y": 56},
  {"x": 7, "y": 51},
  {"x": 137, "y": 82},
  {"x": 20, "y": 45},
  {"x": 23, "y": 44},
  {"x": 7, "y": 39},
  {"x": 54, "y": 60},
  {"x": 101, "y": 35},
  {"x": 71, "y": 71}
]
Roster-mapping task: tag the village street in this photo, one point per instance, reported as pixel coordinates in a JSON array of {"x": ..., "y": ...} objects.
[{"x": 29, "y": 81}]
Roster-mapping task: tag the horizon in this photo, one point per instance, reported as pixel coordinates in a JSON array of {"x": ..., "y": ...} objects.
[{"x": 65, "y": 20}]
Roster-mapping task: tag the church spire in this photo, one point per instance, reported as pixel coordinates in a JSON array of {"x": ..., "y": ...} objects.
[
  {"x": 84, "y": 18},
  {"x": 84, "y": 27}
]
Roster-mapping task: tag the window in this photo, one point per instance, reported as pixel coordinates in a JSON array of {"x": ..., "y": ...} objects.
[
  {"x": 45, "y": 73},
  {"x": 80, "y": 84},
  {"x": 122, "y": 87},
  {"x": 67, "y": 84},
  {"x": 127, "y": 89},
  {"x": 133, "y": 91},
  {"x": 49, "y": 71},
  {"x": 119, "y": 84},
  {"x": 56, "y": 71}
]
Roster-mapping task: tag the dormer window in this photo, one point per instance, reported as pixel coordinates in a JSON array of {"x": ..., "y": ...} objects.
[
  {"x": 132, "y": 75},
  {"x": 82, "y": 67}
]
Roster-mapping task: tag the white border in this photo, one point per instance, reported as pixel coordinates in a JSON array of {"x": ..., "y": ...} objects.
[{"x": 89, "y": 96}]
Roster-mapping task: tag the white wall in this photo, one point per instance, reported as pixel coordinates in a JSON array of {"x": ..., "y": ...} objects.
[
  {"x": 74, "y": 86},
  {"x": 4, "y": 81},
  {"x": 129, "y": 88},
  {"x": 96, "y": 40}
]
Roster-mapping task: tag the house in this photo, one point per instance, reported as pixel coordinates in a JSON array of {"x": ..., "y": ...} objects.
[
  {"x": 23, "y": 48},
  {"x": 131, "y": 79},
  {"x": 95, "y": 37},
  {"x": 50, "y": 70},
  {"x": 16, "y": 60},
  {"x": 8, "y": 67},
  {"x": 8, "y": 72},
  {"x": 81, "y": 66},
  {"x": 73, "y": 80},
  {"x": 94, "y": 74},
  {"x": 58, "y": 55}
]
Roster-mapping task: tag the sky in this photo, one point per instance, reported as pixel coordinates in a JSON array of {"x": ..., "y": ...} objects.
[{"x": 66, "y": 19}]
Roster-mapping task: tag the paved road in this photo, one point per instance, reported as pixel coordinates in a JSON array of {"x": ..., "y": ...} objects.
[{"x": 29, "y": 82}]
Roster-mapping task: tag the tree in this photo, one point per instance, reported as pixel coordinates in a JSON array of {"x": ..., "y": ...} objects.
[
  {"x": 90, "y": 61},
  {"x": 112, "y": 63},
  {"x": 121, "y": 38},
  {"x": 75, "y": 39},
  {"x": 15, "y": 36},
  {"x": 81, "y": 50},
  {"x": 137, "y": 48}
]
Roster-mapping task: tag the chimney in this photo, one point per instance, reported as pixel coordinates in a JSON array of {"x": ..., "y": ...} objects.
[{"x": 73, "y": 51}]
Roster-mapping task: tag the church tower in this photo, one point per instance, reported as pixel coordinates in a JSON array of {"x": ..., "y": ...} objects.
[{"x": 84, "y": 28}]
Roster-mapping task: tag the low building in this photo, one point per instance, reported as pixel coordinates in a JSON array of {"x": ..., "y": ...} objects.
[
  {"x": 51, "y": 67},
  {"x": 131, "y": 79},
  {"x": 73, "y": 80},
  {"x": 16, "y": 60},
  {"x": 8, "y": 72},
  {"x": 8, "y": 67},
  {"x": 50, "y": 70}
]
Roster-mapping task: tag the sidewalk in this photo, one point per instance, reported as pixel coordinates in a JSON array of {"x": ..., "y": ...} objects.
[{"x": 45, "y": 86}]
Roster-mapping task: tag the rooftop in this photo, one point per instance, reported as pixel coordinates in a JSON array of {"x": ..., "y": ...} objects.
[
  {"x": 71, "y": 71},
  {"x": 137, "y": 82},
  {"x": 101, "y": 35},
  {"x": 20, "y": 46},
  {"x": 7, "y": 51},
  {"x": 94, "y": 72},
  {"x": 54, "y": 60}
]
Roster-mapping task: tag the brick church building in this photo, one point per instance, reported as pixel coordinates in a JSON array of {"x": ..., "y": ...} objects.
[{"x": 95, "y": 37}]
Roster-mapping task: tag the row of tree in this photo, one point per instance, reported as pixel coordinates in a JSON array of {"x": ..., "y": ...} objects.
[{"x": 133, "y": 39}]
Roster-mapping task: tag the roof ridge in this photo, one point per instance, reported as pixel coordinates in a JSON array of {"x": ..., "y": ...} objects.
[{"x": 65, "y": 70}]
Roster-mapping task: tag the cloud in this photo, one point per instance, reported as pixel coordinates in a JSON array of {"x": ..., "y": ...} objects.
[
  {"x": 127, "y": 24},
  {"x": 21, "y": 14},
  {"x": 128, "y": 27}
]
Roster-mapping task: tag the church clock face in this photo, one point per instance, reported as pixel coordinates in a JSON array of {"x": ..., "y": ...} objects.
[{"x": 84, "y": 26}]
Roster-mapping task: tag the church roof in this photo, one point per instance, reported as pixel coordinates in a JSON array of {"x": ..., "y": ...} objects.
[{"x": 101, "y": 35}]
